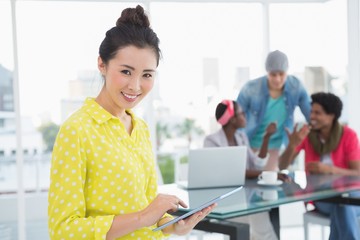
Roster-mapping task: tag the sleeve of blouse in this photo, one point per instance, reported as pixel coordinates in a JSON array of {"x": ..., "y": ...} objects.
[
  {"x": 209, "y": 142},
  {"x": 152, "y": 187},
  {"x": 67, "y": 199}
]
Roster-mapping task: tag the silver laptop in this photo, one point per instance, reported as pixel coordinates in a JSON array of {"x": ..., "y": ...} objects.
[{"x": 216, "y": 167}]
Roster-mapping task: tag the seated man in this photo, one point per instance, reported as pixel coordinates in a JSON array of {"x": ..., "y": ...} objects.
[{"x": 330, "y": 148}]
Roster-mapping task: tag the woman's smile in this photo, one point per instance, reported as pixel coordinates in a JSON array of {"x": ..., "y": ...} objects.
[{"x": 130, "y": 97}]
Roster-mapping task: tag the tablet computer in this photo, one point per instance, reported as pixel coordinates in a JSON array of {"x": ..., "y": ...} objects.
[{"x": 197, "y": 209}]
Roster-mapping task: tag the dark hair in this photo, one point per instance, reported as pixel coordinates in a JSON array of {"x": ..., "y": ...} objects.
[
  {"x": 329, "y": 102},
  {"x": 220, "y": 109},
  {"x": 132, "y": 28}
]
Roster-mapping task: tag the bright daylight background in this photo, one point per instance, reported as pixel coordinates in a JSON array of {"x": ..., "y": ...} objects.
[{"x": 209, "y": 51}]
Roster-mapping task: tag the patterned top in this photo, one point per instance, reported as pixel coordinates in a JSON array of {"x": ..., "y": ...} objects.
[{"x": 98, "y": 171}]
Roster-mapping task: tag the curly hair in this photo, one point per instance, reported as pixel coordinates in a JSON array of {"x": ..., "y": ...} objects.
[{"x": 329, "y": 102}]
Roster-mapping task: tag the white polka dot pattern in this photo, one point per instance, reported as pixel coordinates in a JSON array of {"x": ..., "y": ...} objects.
[{"x": 98, "y": 171}]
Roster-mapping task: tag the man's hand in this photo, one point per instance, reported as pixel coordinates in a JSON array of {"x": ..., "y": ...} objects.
[
  {"x": 297, "y": 136},
  {"x": 318, "y": 168}
]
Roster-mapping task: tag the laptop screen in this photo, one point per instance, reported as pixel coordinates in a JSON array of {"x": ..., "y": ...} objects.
[{"x": 217, "y": 167}]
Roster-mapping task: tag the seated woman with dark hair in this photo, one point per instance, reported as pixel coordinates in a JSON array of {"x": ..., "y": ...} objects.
[{"x": 231, "y": 117}]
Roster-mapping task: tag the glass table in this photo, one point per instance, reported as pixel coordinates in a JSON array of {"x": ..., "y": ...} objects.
[{"x": 256, "y": 198}]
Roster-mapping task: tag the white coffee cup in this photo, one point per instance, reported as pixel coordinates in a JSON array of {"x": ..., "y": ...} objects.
[
  {"x": 269, "y": 194},
  {"x": 269, "y": 177}
]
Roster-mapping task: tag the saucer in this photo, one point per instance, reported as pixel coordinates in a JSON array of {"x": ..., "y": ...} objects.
[{"x": 277, "y": 183}]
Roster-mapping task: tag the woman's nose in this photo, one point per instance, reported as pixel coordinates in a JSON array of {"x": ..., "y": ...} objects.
[{"x": 134, "y": 84}]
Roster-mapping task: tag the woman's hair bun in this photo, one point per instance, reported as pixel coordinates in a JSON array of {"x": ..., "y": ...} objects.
[{"x": 135, "y": 16}]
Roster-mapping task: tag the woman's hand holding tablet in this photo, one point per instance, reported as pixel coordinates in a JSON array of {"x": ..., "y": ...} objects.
[{"x": 198, "y": 209}]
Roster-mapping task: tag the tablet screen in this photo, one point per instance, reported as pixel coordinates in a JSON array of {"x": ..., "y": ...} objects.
[{"x": 197, "y": 209}]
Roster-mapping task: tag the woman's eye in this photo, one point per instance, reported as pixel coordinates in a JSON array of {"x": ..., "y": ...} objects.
[
  {"x": 127, "y": 72},
  {"x": 147, "y": 75}
]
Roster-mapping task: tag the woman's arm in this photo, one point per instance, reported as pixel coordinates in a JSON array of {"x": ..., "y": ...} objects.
[
  {"x": 251, "y": 174},
  {"x": 270, "y": 130},
  {"x": 125, "y": 224},
  {"x": 152, "y": 214},
  {"x": 67, "y": 198}
]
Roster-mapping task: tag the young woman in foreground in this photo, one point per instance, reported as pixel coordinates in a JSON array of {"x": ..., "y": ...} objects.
[{"x": 103, "y": 178}]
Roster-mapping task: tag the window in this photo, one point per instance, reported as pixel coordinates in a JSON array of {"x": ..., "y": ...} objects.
[
  {"x": 209, "y": 51},
  {"x": 314, "y": 36},
  {"x": 8, "y": 174}
]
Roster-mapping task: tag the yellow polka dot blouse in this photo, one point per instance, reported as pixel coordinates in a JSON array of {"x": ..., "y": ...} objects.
[{"x": 98, "y": 171}]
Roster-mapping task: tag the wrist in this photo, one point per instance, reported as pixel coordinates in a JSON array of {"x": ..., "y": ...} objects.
[
  {"x": 292, "y": 145},
  {"x": 264, "y": 157},
  {"x": 142, "y": 219}
]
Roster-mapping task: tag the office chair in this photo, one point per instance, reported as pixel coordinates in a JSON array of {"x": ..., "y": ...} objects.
[{"x": 314, "y": 217}]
